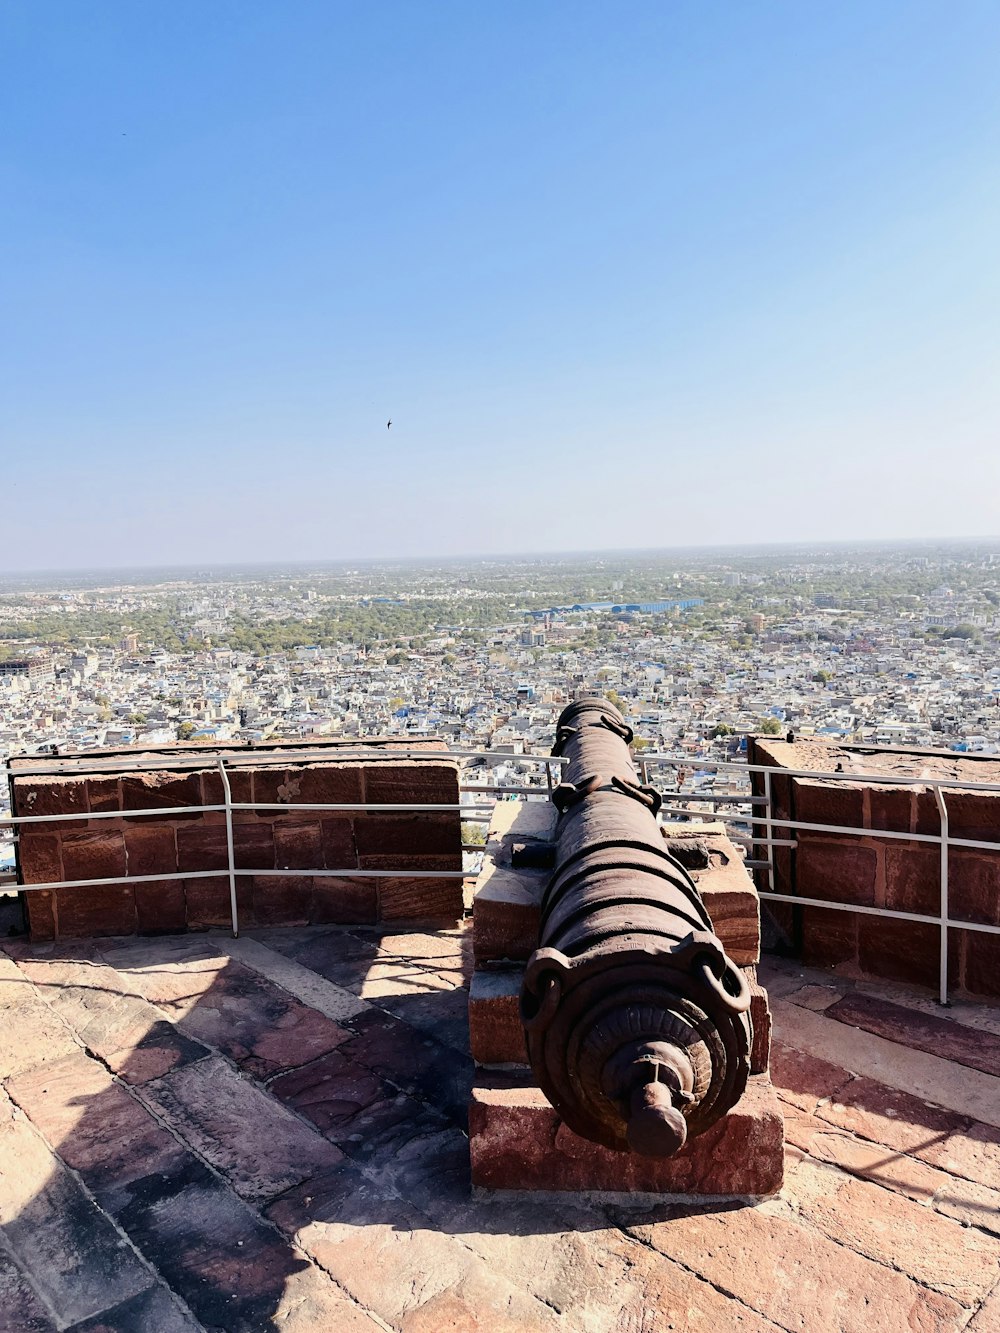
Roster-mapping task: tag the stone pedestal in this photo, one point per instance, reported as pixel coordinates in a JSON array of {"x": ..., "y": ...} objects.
[{"x": 517, "y": 1141}]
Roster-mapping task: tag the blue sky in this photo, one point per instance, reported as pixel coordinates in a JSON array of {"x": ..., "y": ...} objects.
[{"x": 621, "y": 275}]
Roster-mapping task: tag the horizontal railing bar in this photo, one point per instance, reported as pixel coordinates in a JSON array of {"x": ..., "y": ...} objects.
[
  {"x": 54, "y": 886},
  {"x": 512, "y": 791},
  {"x": 175, "y": 811},
  {"x": 891, "y": 779},
  {"x": 709, "y": 796},
  {"x": 951, "y": 922}
]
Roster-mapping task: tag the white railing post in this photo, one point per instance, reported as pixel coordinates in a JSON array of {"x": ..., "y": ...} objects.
[
  {"x": 943, "y": 972},
  {"x": 229, "y": 845},
  {"x": 768, "y": 830}
]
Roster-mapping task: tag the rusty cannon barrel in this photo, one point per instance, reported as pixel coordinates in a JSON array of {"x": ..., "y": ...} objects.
[{"x": 636, "y": 1020}]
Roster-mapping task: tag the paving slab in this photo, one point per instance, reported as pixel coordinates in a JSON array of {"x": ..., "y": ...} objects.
[{"x": 259, "y": 1146}]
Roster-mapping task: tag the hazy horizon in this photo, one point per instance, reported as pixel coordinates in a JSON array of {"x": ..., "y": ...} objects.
[
  {"x": 707, "y": 275},
  {"x": 736, "y": 551}
]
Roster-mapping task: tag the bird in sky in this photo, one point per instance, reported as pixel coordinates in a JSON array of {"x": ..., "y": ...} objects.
[{"x": 388, "y": 424}]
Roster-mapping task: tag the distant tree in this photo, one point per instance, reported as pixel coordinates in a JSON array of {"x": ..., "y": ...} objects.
[
  {"x": 823, "y": 677},
  {"x": 640, "y": 743},
  {"x": 474, "y": 833},
  {"x": 614, "y": 697},
  {"x": 721, "y": 729},
  {"x": 770, "y": 726},
  {"x": 185, "y": 730}
]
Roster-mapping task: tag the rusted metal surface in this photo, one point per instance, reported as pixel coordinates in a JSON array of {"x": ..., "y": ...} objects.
[{"x": 636, "y": 1021}]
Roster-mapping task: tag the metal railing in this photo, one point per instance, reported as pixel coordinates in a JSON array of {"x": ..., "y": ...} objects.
[
  {"x": 773, "y": 824},
  {"x": 236, "y": 761}
]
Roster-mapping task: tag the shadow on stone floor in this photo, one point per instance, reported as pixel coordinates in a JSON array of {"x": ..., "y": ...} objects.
[{"x": 238, "y": 1137}]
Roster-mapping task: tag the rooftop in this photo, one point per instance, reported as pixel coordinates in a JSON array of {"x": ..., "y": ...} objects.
[{"x": 264, "y": 1133}]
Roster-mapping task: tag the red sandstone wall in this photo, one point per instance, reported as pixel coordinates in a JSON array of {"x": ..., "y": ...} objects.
[
  {"x": 84, "y": 848},
  {"x": 901, "y": 875}
]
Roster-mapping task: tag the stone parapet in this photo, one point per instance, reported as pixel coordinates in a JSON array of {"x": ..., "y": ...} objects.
[
  {"x": 180, "y": 842},
  {"x": 871, "y": 871}
]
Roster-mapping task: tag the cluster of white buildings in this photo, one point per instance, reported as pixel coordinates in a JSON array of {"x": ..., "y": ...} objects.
[{"x": 691, "y": 683}]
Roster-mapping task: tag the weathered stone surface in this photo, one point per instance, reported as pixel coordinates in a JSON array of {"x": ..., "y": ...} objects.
[
  {"x": 495, "y": 1032},
  {"x": 21, "y": 1310},
  {"x": 794, "y": 1275},
  {"x": 518, "y": 1142},
  {"x": 381, "y": 1250},
  {"x": 258, "y": 1145},
  {"x": 922, "y": 1032},
  {"x": 41, "y": 1036},
  {"x": 760, "y": 1020},
  {"x": 127, "y": 1032},
  {"x": 415, "y": 1062},
  {"x": 153, "y": 1309},
  {"x": 55, "y": 1231},
  {"x": 731, "y": 900},
  {"x": 888, "y": 1116},
  {"x": 505, "y": 916},
  {"x": 936, "y": 1251},
  {"x": 97, "y": 1127},
  {"x": 229, "y": 1267},
  {"x": 420, "y": 899},
  {"x": 803, "y": 1079}
]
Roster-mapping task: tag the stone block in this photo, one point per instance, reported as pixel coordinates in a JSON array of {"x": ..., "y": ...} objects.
[
  {"x": 420, "y": 899},
  {"x": 161, "y": 790},
  {"x": 408, "y": 835},
  {"x": 40, "y": 911},
  {"x": 150, "y": 849},
  {"x": 832, "y": 869},
  {"x": 240, "y": 788},
  {"x": 903, "y": 950},
  {"x": 732, "y": 904},
  {"x": 892, "y": 808},
  {"x": 505, "y": 917},
  {"x": 298, "y": 845},
  {"x": 260, "y": 1146},
  {"x": 913, "y": 878},
  {"x": 253, "y": 847},
  {"x": 760, "y": 1021},
  {"x": 40, "y": 857},
  {"x": 839, "y": 803},
  {"x": 829, "y": 938},
  {"x": 337, "y": 839},
  {"x": 962, "y": 1045},
  {"x": 981, "y": 974},
  {"x": 332, "y": 784},
  {"x": 160, "y": 907},
  {"x": 971, "y": 814},
  {"x": 973, "y": 885},
  {"x": 103, "y": 794},
  {"x": 282, "y": 900},
  {"x": 55, "y": 795},
  {"x": 412, "y": 782},
  {"x": 207, "y": 901},
  {"x": 58, "y": 1235},
  {"x": 94, "y": 855},
  {"x": 202, "y": 847},
  {"x": 344, "y": 902},
  {"x": 518, "y": 1142},
  {"x": 107, "y": 909},
  {"x": 496, "y": 1036}
]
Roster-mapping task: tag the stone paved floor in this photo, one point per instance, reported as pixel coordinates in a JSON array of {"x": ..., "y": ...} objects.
[{"x": 268, "y": 1134}]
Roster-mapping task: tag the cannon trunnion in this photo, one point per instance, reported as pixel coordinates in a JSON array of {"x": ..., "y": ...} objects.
[{"x": 635, "y": 1019}]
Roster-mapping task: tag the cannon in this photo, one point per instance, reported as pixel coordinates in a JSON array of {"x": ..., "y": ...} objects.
[{"x": 635, "y": 1019}]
